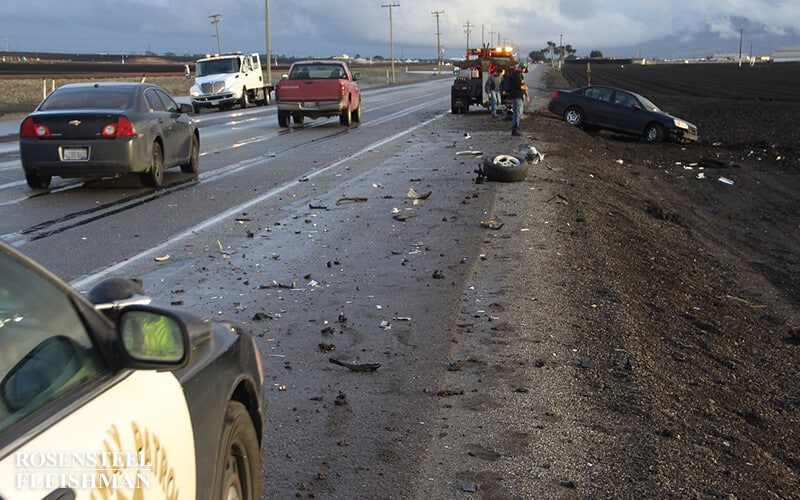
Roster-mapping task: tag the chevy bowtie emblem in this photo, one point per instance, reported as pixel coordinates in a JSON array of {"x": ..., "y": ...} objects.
[{"x": 75, "y": 122}]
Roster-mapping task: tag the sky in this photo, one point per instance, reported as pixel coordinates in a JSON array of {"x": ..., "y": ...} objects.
[{"x": 323, "y": 28}]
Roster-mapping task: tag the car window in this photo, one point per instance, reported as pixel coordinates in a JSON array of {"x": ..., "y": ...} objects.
[
  {"x": 154, "y": 102},
  {"x": 625, "y": 99},
  {"x": 168, "y": 102},
  {"x": 88, "y": 98},
  {"x": 45, "y": 348},
  {"x": 599, "y": 93}
]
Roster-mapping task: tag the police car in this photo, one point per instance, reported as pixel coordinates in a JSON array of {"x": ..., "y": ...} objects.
[{"x": 121, "y": 398}]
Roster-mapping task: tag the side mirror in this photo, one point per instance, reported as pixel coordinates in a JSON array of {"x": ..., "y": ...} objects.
[
  {"x": 187, "y": 72},
  {"x": 186, "y": 108},
  {"x": 284, "y": 76},
  {"x": 356, "y": 76},
  {"x": 153, "y": 338}
]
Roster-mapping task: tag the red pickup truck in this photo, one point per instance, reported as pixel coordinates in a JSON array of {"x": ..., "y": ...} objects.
[{"x": 317, "y": 89}]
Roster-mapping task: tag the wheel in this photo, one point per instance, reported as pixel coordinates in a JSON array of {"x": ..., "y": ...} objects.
[
  {"x": 298, "y": 118},
  {"x": 654, "y": 132},
  {"x": 238, "y": 469},
  {"x": 574, "y": 116},
  {"x": 505, "y": 168},
  {"x": 265, "y": 100},
  {"x": 38, "y": 181},
  {"x": 283, "y": 119},
  {"x": 154, "y": 177},
  {"x": 346, "y": 117},
  {"x": 193, "y": 165},
  {"x": 243, "y": 102},
  {"x": 357, "y": 114},
  {"x": 196, "y": 109}
]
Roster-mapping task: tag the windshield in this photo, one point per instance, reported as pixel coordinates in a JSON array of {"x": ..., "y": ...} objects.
[
  {"x": 217, "y": 66},
  {"x": 648, "y": 104}
]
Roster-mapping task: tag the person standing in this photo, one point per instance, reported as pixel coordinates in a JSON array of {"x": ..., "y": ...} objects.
[
  {"x": 493, "y": 87},
  {"x": 518, "y": 94}
]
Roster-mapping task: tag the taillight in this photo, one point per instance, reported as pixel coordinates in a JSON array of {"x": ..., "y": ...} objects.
[
  {"x": 341, "y": 90},
  {"x": 555, "y": 94},
  {"x": 120, "y": 128},
  {"x": 29, "y": 128}
]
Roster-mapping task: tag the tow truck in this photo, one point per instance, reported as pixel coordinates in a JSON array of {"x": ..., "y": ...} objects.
[
  {"x": 468, "y": 87},
  {"x": 225, "y": 80}
]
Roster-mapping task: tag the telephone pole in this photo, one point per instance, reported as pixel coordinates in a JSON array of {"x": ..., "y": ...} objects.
[
  {"x": 269, "y": 55},
  {"x": 391, "y": 32},
  {"x": 215, "y": 21},
  {"x": 467, "y": 30},
  {"x": 438, "y": 39}
]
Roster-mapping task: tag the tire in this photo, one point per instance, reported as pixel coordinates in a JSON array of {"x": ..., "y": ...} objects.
[
  {"x": 346, "y": 117},
  {"x": 298, "y": 118},
  {"x": 154, "y": 177},
  {"x": 505, "y": 168},
  {"x": 244, "y": 101},
  {"x": 196, "y": 109},
  {"x": 238, "y": 471},
  {"x": 357, "y": 114},
  {"x": 192, "y": 166},
  {"x": 654, "y": 132},
  {"x": 283, "y": 118},
  {"x": 36, "y": 181},
  {"x": 574, "y": 116}
]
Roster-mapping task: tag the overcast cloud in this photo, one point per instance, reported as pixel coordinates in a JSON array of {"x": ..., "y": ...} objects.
[{"x": 321, "y": 28}]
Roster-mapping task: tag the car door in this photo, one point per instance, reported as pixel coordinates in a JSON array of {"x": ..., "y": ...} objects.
[
  {"x": 597, "y": 105},
  {"x": 174, "y": 131},
  {"x": 70, "y": 426},
  {"x": 626, "y": 114}
]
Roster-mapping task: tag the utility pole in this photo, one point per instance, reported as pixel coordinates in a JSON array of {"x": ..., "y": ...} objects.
[
  {"x": 215, "y": 21},
  {"x": 438, "y": 40},
  {"x": 269, "y": 54},
  {"x": 741, "y": 37},
  {"x": 560, "y": 51},
  {"x": 467, "y": 30},
  {"x": 391, "y": 32}
]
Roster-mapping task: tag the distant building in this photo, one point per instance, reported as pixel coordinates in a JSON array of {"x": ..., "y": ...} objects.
[{"x": 787, "y": 54}]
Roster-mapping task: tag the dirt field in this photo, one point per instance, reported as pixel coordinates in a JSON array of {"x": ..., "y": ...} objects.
[{"x": 689, "y": 279}]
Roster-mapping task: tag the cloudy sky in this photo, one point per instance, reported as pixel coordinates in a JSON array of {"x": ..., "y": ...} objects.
[{"x": 321, "y": 28}]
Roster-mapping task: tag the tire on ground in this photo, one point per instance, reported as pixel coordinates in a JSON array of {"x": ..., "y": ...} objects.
[
  {"x": 238, "y": 471},
  {"x": 505, "y": 168}
]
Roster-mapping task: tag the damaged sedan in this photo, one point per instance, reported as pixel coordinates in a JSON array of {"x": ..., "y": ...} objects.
[{"x": 596, "y": 107}]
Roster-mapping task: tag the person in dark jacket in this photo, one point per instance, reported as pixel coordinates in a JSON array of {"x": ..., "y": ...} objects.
[{"x": 518, "y": 94}]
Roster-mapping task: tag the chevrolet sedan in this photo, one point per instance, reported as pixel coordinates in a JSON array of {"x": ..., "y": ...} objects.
[
  {"x": 598, "y": 107},
  {"x": 109, "y": 396},
  {"x": 92, "y": 130}
]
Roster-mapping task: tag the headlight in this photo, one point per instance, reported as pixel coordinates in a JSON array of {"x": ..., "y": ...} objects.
[
  {"x": 681, "y": 124},
  {"x": 194, "y": 93}
]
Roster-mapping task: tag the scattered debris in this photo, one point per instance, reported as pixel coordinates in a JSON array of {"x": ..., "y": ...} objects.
[
  {"x": 162, "y": 258},
  {"x": 326, "y": 347},
  {"x": 350, "y": 198},
  {"x": 725, "y": 180},
  {"x": 710, "y": 163},
  {"x": 405, "y": 217},
  {"x": 364, "y": 367},
  {"x": 317, "y": 207},
  {"x": 438, "y": 275},
  {"x": 417, "y": 196},
  {"x": 470, "y": 152},
  {"x": 492, "y": 224}
]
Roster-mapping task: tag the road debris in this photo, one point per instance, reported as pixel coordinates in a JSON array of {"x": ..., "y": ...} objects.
[
  {"x": 350, "y": 198},
  {"x": 417, "y": 196},
  {"x": 363, "y": 367},
  {"x": 492, "y": 224},
  {"x": 163, "y": 258}
]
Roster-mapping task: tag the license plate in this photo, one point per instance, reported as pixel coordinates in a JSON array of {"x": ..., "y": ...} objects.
[
  {"x": 310, "y": 104},
  {"x": 75, "y": 154}
]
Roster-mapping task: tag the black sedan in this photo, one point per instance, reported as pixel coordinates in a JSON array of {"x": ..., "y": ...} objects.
[
  {"x": 109, "y": 396},
  {"x": 598, "y": 107},
  {"x": 91, "y": 130}
]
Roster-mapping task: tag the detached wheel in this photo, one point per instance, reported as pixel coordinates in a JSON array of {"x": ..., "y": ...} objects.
[
  {"x": 239, "y": 464},
  {"x": 654, "y": 132},
  {"x": 505, "y": 168},
  {"x": 574, "y": 116},
  {"x": 38, "y": 181},
  {"x": 283, "y": 119},
  {"x": 193, "y": 165},
  {"x": 155, "y": 176}
]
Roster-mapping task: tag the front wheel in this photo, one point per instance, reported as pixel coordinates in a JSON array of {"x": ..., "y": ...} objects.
[
  {"x": 239, "y": 463},
  {"x": 154, "y": 177},
  {"x": 244, "y": 101},
  {"x": 654, "y": 133},
  {"x": 574, "y": 116}
]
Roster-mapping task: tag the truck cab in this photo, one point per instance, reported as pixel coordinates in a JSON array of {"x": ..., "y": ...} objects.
[
  {"x": 468, "y": 87},
  {"x": 226, "y": 80}
]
